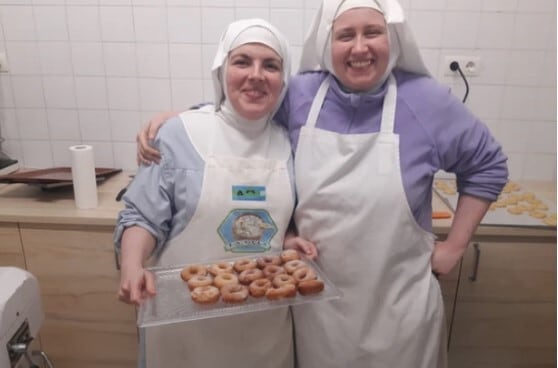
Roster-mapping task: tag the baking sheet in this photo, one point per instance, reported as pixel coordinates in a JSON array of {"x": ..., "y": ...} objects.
[
  {"x": 513, "y": 195},
  {"x": 173, "y": 304},
  {"x": 52, "y": 176}
]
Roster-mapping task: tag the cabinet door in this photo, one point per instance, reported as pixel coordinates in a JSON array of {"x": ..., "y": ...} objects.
[
  {"x": 85, "y": 324},
  {"x": 11, "y": 252},
  {"x": 507, "y": 316},
  {"x": 448, "y": 284}
]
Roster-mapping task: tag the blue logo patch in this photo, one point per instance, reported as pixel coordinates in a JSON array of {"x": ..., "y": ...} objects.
[
  {"x": 247, "y": 230},
  {"x": 248, "y": 193}
]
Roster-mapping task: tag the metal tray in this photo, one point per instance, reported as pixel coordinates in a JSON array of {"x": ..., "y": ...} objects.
[
  {"x": 173, "y": 304},
  {"x": 54, "y": 175}
]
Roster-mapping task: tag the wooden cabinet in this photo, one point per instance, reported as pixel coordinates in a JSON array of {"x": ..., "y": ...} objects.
[
  {"x": 507, "y": 316},
  {"x": 85, "y": 325},
  {"x": 11, "y": 250}
]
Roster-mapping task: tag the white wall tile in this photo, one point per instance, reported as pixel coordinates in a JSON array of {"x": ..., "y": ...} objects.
[
  {"x": 485, "y": 101},
  {"x": 104, "y": 154},
  {"x": 290, "y": 23},
  {"x": 540, "y": 167},
  {"x": 88, "y": 58},
  {"x": 499, "y": 5},
  {"x": 84, "y": 23},
  {"x": 525, "y": 67},
  {"x": 296, "y": 4},
  {"x": 9, "y": 124},
  {"x": 55, "y": 58},
  {"x": 155, "y": 94},
  {"x": 6, "y": 95},
  {"x": 539, "y": 26},
  {"x": 184, "y": 2},
  {"x": 82, "y": 2},
  {"x": 252, "y": 3},
  {"x": 246, "y": 13},
  {"x": 153, "y": 60},
  {"x": 117, "y": 24},
  {"x": 91, "y": 93},
  {"x": 120, "y": 59},
  {"x": 32, "y": 124},
  {"x": 36, "y": 154},
  {"x": 186, "y": 61},
  {"x": 61, "y": 156},
  {"x": 509, "y": 133},
  {"x": 460, "y": 29},
  {"x": 124, "y": 125},
  {"x": 23, "y": 57},
  {"x": 495, "y": 30},
  {"x": 28, "y": 91},
  {"x": 186, "y": 93},
  {"x": 184, "y": 24},
  {"x": 427, "y": 28},
  {"x": 428, "y": 4},
  {"x": 214, "y": 22},
  {"x": 94, "y": 125},
  {"x": 59, "y": 92},
  {"x": 123, "y": 93},
  {"x": 542, "y": 6},
  {"x": 473, "y": 5},
  {"x": 150, "y": 24},
  {"x": 18, "y": 23},
  {"x": 51, "y": 23},
  {"x": 125, "y": 156},
  {"x": 63, "y": 124},
  {"x": 541, "y": 137}
]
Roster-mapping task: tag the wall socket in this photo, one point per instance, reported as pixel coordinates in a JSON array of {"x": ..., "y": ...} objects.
[
  {"x": 4, "y": 68},
  {"x": 470, "y": 65}
]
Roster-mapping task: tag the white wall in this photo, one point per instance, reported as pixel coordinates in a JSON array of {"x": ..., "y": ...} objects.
[{"x": 93, "y": 71}]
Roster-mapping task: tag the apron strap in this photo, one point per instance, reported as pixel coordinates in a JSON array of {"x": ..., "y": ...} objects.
[
  {"x": 317, "y": 104},
  {"x": 388, "y": 109}
]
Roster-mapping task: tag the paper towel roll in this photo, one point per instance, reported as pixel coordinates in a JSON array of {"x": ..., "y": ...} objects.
[{"x": 83, "y": 176}]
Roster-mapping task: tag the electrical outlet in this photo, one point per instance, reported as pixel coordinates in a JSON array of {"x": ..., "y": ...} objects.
[
  {"x": 3, "y": 62},
  {"x": 470, "y": 65}
]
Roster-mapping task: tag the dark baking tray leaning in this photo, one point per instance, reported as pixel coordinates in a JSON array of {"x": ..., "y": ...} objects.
[
  {"x": 173, "y": 304},
  {"x": 55, "y": 176}
]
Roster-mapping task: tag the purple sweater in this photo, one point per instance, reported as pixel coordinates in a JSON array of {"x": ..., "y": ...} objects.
[{"x": 436, "y": 131}]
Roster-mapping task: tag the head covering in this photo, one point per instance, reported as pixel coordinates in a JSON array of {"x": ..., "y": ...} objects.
[
  {"x": 242, "y": 32},
  {"x": 404, "y": 52}
]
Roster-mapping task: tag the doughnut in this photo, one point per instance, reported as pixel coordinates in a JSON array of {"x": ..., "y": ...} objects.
[
  {"x": 234, "y": 293},
  {"x": 199, "y": 280},
  {"x": 195, "y": 269},
  {"x": 244, "y": 264},
  {"x": 270, "y": 271},
  {"x": 291, "y": 266},
  {"x": 258, "y": 287},
  {"x": 220, "y": 267},
  {"x": 283, "y": 279},
  {"x": 537, "y": 214},
  {"x": 307, "y": 287},
  {"x": 205, "y": 294},
  {"x": 289, "y": 255},
  {"x": 284, "y": 291},
  {"x": 516, "y": 210},
  {"x": 225, "y": 278},
  {"x": 247, "y": 276},
  {"x": 268, "y": 260},
  {"x": 304, "y": 273}
]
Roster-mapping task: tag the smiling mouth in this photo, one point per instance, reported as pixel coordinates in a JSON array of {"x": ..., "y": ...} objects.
[
  {"x": 254, "y": 93},
  {"x": 358, "y": 64}
]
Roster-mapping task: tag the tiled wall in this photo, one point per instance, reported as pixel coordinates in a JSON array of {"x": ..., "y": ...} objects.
[{"x": 93, "y": 71}]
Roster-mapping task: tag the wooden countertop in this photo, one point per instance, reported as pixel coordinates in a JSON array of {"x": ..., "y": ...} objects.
[{"x": 30, "y": 204}]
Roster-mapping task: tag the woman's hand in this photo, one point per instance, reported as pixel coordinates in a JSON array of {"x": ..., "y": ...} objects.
[
  {"x": 136, "y": 285},
  {"x": 445, "y": 256},
  {"x": 146, "y": 154},
  {"x": 304, "y": 246}
]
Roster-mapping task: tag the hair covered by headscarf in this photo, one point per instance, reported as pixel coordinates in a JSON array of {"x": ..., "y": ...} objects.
[
  {"x": 404, "y": 52},
  {"x": 249, "y": 31}
]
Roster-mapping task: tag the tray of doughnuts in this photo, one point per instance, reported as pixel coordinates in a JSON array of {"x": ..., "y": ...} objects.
[
  {"x": 243, "y": 284},
  {"x": 517, "y": 205}
]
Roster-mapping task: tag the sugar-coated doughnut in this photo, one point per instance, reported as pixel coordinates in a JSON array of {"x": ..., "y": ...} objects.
[
  {"x": 283, "y": 279},
  {"x": 304, "y": 273},
  {"x": 271, "y": 270},
  {"x": 195, "y": 269},
  {"x": 307, "y": 287},
  {"x": 289, "y": 255},
  {"x": 249, "y": 275},
  {"x": 291, "y": 266},
  {"x": 205, "y": 294},
  {"x": 225, "y": 278},
  {"x": 244, "y": 264},
  {"x": 199, "y": 280},
  {"x": 284, "y": 291},
  {"x": 220, "y": 267},
  {"x": 258, "y": 287},
  {"x": 234, "y": 293},
  {"x": 268, "y": 260}
]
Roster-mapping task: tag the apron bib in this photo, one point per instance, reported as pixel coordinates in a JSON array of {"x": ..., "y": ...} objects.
[
  {"x": 244, "y": 207},
  {"x": 352, "y": 204}
]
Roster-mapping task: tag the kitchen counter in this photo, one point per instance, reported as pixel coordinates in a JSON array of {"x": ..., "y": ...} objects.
[{"x": 31, "y": 204}]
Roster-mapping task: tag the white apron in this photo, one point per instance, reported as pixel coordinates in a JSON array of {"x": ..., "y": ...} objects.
[
  {"x": 260, "y": 339},
  {"x": 352, "y": 204}
]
